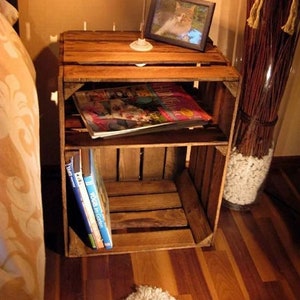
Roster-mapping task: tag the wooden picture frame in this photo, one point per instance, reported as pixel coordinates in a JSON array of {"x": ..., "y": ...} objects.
[{"x": 183, "y": 23}]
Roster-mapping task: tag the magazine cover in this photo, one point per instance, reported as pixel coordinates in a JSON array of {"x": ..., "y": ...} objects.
[{"x": 138, "y": 109}]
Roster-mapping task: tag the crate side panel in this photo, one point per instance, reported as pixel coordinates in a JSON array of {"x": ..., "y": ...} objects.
[
  {"x": 216, "y": 190},
  {"x": 175, "y": 161},
  {"x": 153, "y": 163},
  {"x": 106, "y": 160},
  {"x": 193, "y": 209},
  {"x": 129, "y": 163}
]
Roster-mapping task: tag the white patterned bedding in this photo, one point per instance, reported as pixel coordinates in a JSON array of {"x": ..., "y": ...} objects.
[{"x": 22, "y": 253}]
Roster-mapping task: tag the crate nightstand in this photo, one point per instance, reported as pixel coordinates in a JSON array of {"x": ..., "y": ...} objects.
[{"x": 165, "y": 188}]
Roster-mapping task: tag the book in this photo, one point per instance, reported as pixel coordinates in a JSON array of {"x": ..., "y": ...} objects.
[
  {"x": 136, "y": 109},
  {"x": 98, "y": 195},
  {"x": 74, "y": 172}
]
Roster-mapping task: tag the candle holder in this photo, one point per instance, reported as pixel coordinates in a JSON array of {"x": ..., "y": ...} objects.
[{"x": 141, "y": 44}]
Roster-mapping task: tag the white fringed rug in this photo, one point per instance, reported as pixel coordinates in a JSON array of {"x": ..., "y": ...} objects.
[{"x": 144, "y": 292}]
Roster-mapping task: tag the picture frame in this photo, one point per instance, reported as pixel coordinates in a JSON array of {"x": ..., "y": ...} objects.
[{"x": 184, "y": 23}]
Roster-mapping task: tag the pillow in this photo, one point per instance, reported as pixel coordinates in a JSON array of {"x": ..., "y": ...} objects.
[{"x": 9, "y": 12}]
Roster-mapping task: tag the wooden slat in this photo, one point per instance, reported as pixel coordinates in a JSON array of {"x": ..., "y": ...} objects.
[
  {"x": 215, "y": 195},
  {"x": 226, "y": 109},
  {"x": 101, "y": 53},
  {"x": 144, "y": 202},
  {"x": 174, "y": 161},
  {"x": 84, "y": 73},
  {"x": 107, "y": 161},
  {"x": 129, "y": 164},
  {"x": 207, "y": 176},
  {"x": 91, "y": 47},
  {"x": 153, "y": 163},
  {"x": 197, "y": 168},
  {"x": 140, "y": 187},
  {"x": 70, "y": 88},
  {"x": 148, "y": 219},
  {"x": 153, "y": 240},
  {"x": 193, "y": 209},
  {"x": 180, "y": 137},
  {"x": 135, "y": 242},
  {"x": 193, "y": 161},
  {"x": 74, "y": 123}
]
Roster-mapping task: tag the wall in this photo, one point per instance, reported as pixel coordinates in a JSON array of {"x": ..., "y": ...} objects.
[
  {"x": 287, "y": 130},
  {"x": 41, "y": 22}
]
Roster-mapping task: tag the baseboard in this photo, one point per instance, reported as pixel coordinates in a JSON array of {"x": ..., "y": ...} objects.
[{"x": 285, "y": 161}]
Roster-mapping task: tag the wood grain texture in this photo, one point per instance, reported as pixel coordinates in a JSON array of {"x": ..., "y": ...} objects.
[
  {"x": 90, "y": 47},
  {"x": 85, "y": 73},
  {"x": 256, "y": 255}
]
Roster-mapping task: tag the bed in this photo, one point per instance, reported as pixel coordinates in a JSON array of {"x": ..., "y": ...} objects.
[{"x": 22, "y": 252}]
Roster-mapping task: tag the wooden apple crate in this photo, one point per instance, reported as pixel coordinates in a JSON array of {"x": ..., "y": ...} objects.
[{"x": 165, "y": 188}]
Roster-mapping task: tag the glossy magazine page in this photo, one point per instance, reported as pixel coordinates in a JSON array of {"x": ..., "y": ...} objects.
[{"x": 138, "y": 109}]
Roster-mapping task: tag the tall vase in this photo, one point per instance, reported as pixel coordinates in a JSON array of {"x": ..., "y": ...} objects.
[
  {"x": 270, "y": 40},
  {"x": 245, "y": 179}
]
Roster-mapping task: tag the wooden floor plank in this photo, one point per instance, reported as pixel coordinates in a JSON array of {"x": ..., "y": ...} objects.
[
  {"x": 256, "y": 244},
  {"x": 242, "y": 255},
  {"x": 286, "y": 226},
  {"x": 71, "y": 279},
  {"x": 121, "y": 276},
  {"x": 206, "y": 271},
  {"x": 226, "y": 284},
  {"x": 276, "y": 291},
  {"x": 52, "y": 280},
  {"x": 280, "y": 257},
  {"x": 189, "y": 275},
  {"x": 150, "y": 268},
  {"x": 224, "y": 245},
  {"x": 281, "y": 187},
  {"x": 99, "y": 289},
  {"x": 97, "y": 267}
]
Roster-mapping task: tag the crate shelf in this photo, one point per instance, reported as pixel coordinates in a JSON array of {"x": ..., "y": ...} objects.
[{"x": 165, "y": 188}]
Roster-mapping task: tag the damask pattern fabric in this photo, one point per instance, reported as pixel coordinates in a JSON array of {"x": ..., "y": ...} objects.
[
  {"x": 22, "y": 252},
  {"x": 9, "y": 12}
]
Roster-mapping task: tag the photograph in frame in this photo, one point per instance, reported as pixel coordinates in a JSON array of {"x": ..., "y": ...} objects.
[{"x": 182, "y": 23}]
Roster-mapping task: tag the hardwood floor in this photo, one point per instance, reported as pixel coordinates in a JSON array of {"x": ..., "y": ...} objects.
[{"x": 256, "y": 254}]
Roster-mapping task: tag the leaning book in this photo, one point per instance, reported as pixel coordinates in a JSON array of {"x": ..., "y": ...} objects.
[
  {"x": 74, "y": 171},
  {"x": 97, "y": 194},
  {"x": 137, "y": 109}
]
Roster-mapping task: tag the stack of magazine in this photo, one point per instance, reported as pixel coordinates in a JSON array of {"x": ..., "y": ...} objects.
[
  {"x": 137, "y": 109},
  {"x": 92, "y": 200}
]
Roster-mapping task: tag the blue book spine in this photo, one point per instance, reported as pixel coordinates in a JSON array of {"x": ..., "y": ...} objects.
[
  {"x": 99, "y": 212},
  {"x": 71, "y": 175}
]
